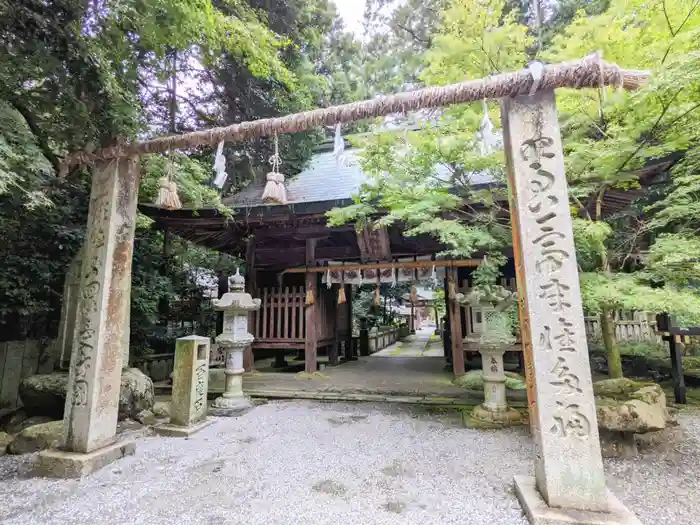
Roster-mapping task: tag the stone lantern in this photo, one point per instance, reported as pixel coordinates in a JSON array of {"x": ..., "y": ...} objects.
[
  {"x": 236, "y": 305},
  {"x": 493, "y": 343}
]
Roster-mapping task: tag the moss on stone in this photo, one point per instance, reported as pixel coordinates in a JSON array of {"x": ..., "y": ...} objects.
[{"x": 621, "y": 388}]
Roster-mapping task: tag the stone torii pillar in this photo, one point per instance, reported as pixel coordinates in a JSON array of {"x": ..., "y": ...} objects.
[
  {"x": 101, "y": 328},
  {"x": 569, "y": 484}
]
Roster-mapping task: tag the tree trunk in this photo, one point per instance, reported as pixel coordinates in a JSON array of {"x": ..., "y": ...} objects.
[{"x": 607, "y": 326}]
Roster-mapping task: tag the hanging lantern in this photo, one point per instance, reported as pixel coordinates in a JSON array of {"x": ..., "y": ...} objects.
[{"x": 275, "y": 191}]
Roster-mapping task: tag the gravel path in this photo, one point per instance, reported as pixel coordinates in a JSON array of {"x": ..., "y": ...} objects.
[{"x": 302, "y": 463}]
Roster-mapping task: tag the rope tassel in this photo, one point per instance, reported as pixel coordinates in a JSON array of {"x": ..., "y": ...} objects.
[
  {"x": 167, "y": 194},
  {"x": 275, "y": 190},
  {"x": 341, "y": 295},
  {"x": 310, "y": 299}
]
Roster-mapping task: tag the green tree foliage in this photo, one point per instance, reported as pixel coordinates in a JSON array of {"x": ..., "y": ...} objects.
[
  {"x": 80, "y": 75},
  {"x": 609, "y": 136},
  {"x": 397, "y": 36}
]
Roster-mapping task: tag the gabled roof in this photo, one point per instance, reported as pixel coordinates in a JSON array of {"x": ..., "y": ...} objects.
[{"x": 324, "y": 181}]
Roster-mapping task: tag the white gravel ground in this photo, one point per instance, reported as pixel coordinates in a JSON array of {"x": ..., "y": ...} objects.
[{"x": 304, "y": 464}]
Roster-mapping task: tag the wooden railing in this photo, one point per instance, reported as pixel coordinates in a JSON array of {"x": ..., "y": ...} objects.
[
  {"x": 636, "y": 330},
  {"x": 281, "y": 318},
  {"x": 380, "y": 339},
  {"x": 281, "y": 314}
]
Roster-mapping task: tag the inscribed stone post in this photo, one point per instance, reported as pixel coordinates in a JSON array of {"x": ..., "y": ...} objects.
[
  {"x": 190, "y": 381},
  {"x": 92, "y": 400},
  {"x": 69, "y": 312},
  {"x": 188, "y": 411},
  {"x": 569, "y": 484},
  {"x": 568, "y": 464},
  {"x": 96, "y": 362}
]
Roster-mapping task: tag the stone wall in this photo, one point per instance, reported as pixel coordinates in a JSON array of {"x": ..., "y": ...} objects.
[{"x": 21, "y": 359}]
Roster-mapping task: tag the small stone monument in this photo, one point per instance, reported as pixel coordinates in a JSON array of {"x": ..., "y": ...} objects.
[
  {"x": 188, "y": 413},
  {"x": 234, "y": 339}
]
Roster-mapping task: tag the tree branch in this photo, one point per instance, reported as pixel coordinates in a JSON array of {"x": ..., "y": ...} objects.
[
  {"x": 36, "y": 131},
  {"x": 648, "y": 135},
  {"x": 413, "y": 34}
]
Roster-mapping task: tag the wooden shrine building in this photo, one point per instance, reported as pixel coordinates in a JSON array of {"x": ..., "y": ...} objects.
[{"x": 275, "y": 239}]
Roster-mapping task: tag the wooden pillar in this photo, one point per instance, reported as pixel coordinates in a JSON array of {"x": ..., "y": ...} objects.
[
  {"x": 349, "y": 350},
  {"x": 364, "y": 337},
  {"x": 675, "y": 348},
  {"x": 92, "y": 401},
  {"x": 446, "y": 332},
  {"x": 340, "y": 313},
  {"x": 455, "y": 324},
  {"x": 311, "y": 312}
]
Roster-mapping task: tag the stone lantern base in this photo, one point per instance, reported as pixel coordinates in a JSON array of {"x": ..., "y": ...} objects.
[
  {"x": 494, "y": 411},
  {"x": 498, "y": 417},
  {"x": 230, "y": 406}
]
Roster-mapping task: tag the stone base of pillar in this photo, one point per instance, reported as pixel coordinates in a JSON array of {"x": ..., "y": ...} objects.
[
  {"x": 168, "y": 430},
  {"x": 230, "y": 406},
  {"x": 539, "y": 513},
  {"x": 62, "y": 464},
  {"x": 505, "y": 416}
]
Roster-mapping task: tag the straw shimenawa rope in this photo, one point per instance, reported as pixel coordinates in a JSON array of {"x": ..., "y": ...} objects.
[{"x": 591, "y": 71}]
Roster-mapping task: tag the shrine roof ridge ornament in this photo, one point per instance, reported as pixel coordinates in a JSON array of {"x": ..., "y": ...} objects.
[{"x": 590, "y": 71}]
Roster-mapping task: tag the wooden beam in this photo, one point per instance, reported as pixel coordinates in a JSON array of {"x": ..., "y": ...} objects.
[
  {"x": 374, "y": 244},
  {"x": 312, "y": 230},
  {"x": 472, "y": 263},
  {"x": 321, "y": 253}
]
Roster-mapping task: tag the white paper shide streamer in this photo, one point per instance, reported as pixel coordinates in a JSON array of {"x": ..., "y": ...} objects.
[
  {"x": 339, "y": 148},
  {"x": 488, "y": 142},
  {"x": 220, "y": 166}
]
